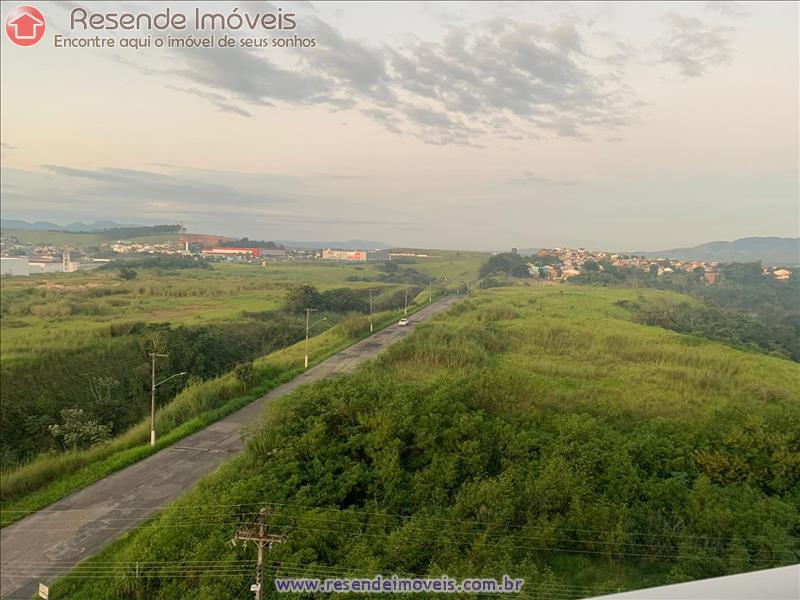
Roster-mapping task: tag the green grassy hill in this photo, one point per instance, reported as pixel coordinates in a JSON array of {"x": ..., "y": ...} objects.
[{"x": 532, "y": 431}]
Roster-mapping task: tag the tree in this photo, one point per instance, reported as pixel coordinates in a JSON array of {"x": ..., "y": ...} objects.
[
  {"x": 300, "y": 298},
  {"x": 78, "y": 432},
  {"x": 127, "y": 274},
  {"x": 104, "y": 406},
  {"x": 590, "y": 266},
  {"x": 245, "y": 372}
]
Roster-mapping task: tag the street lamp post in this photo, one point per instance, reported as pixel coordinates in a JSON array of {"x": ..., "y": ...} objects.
[
  {"x": 308, "y": 327},
  {"x": 405, "y": 306},
  {"x": 153, "y": 386},
  {"x": 370, "y": 310}
]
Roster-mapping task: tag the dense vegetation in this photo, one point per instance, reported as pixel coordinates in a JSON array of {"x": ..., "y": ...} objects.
[
  {"x": 744, "y": 308},
  {"x": 713, "y": 323},
  {"x": 163, "y": 261},
  {"x": 538, "y": 432},
  {"x": 248, "y": 243},
  {"x": 124, "y": 233}
]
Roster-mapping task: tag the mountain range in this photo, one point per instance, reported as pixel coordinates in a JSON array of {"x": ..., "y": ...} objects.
[
  {"x": 341, "y": 244},
  {"x": 72, "y": 227},
  {"x": 771, "y": 251}
]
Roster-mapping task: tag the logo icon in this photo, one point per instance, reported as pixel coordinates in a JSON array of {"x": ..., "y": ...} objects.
[{"x": 25, "y": 25}]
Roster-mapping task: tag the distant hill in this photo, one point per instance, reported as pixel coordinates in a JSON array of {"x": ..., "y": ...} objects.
[
  {"x": 75, "y": 227},
  {"x": 770, "y": 251},
  {"x": 86, "y": 239},
  {"x": 343, "y": 244}
]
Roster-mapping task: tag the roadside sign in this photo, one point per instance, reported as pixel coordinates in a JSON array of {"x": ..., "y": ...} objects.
[{"x": 44, "y": 591}]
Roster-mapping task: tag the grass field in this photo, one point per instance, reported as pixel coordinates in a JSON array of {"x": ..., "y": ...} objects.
[{"x": 534, "y": 431}]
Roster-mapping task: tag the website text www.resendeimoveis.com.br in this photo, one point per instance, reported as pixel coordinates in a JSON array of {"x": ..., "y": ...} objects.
[{"x": 396, "y": 585}]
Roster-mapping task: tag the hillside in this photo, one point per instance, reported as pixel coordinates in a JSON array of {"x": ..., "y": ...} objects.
[
  {"x": 343, "y": 244},
  {"x": 75, "y": 227},
  {"x": 84, "y": 239},
  {"x": 533, "y": 431},
  {"x": 771, "y": 251}
]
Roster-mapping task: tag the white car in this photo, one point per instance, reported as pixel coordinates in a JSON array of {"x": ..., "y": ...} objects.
[{"x": 403, "y": 322}]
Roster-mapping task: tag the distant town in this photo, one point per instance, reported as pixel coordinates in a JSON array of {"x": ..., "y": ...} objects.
[{"x": 549, "y": 265}]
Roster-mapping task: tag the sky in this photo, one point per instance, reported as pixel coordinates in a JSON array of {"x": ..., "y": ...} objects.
[{"x": 617, "y": 126}]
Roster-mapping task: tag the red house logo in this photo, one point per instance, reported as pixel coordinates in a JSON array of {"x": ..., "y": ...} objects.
[{"x": 25, "y": 25}]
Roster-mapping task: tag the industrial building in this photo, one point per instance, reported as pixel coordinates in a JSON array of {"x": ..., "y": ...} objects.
[{"x": 354, "y": 255}]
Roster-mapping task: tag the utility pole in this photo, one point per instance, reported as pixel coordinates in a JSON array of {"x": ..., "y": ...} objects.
[
  {"x": 430, "y": 289},
  {"x": 405, "y": 306},
  {"x": 153, "y": 386},
  {"x": 370, "y": 310},
  {"x": 257, "y": 533},
  {"x": 153, "y": 356},
  {"x": 308, "y": 327}
]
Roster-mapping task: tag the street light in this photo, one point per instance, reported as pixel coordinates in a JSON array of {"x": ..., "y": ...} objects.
[
  {"x": 370, "y": 310},
  {"x": 308, "y": 315},
  {"x": 153, "y": 386}
]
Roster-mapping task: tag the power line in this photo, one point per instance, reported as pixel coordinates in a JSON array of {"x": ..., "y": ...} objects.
[{"x": 360, "y": 512}]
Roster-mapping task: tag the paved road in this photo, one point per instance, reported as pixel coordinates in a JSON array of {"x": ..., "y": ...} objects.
[{"x": 46, "y": 543}]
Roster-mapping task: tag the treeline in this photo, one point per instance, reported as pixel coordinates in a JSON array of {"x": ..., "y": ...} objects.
[
  {"x": 344, "y": 300},
  {"x": 109, "y": 380},
  {"x": 508, "y": 263},
  {"x": 121, "y": 233},
  {"x": 161, "y": 261},
  {"x": 248, "y": 243},
  {"x": 393, "y": 272},
  {"x": 729, "y": 327},
  {"x": 744, "y": 308}
]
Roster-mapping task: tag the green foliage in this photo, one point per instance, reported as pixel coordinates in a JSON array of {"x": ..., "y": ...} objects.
[
  {"x": 247, "y": 243},
  {"x": 339, "y": 300},
  {"x": 771, "y": 309},
  {"x": 161, "y": 261},
  {"x": 76, "y": 431},
  {"x": 354, "y": 324},
  {"x": 127, "y": 274},
  {"x": 533, "y": 431},
  {"x": 505, "y": 262},
  {"x": 491, "y": 282},
  {"x": 245, "y": 373},
  {"x": 121, "y": 233},
  {"x": 724, "y": 326}
]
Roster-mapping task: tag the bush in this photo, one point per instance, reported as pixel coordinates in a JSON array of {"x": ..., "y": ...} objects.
[{"x": 354, "y": 324}]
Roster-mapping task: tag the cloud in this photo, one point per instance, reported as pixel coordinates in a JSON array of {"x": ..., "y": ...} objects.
[
  {"x": 693, "y": 46},
  {"x": 501, "y": 77},
  {"x": 150, "y": 186},
  {"x": 489, "y": 79},
  {"x": 199, "y": 196}
]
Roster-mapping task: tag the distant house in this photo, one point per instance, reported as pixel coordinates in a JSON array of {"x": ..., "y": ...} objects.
[
  {"x": 710, "y": 275},
  {"x": 782, "y": 274}
]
